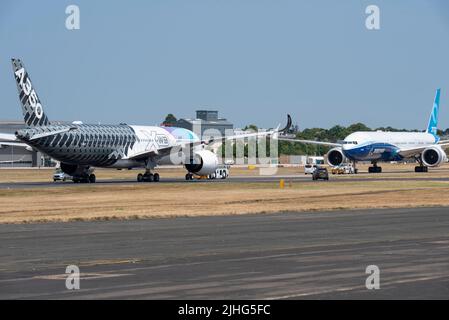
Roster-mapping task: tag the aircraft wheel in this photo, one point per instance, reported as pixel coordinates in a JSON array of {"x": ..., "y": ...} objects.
[
  {"x": 421, "y": 169},
  {"x": 375, "y": 169},
  {"x": 149, "y": 177},
  {"x": 92, "y": 178},
  {"x": 139, "y": 177},
  {"x": 156, "y": 177}
]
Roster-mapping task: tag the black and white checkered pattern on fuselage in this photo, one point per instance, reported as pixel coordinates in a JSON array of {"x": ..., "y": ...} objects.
[{"x": 94, "y": 145}]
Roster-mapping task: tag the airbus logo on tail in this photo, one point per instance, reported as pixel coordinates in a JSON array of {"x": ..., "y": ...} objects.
[{"x": 27, "y": 88}]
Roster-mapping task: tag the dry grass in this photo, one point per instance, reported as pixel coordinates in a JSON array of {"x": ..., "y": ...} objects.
[{"x": 104, "y": 202}]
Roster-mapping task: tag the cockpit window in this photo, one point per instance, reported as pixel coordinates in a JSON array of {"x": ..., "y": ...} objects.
[{"x": 348, "y": 142}]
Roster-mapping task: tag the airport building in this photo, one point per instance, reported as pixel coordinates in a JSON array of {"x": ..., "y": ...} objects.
[
  {"x": 15, "y": 156},
  {"x": 206, "y": 120}
]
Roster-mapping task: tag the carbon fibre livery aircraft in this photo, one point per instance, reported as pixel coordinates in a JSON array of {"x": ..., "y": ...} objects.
[
  {"x": 377, "y": 146},
  {"x": 79, "y": 147}
]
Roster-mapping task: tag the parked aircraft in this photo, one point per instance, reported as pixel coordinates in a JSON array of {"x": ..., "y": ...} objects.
[
  {"x": 79, "y": 147},
  {"x": 381, "y": 146}
]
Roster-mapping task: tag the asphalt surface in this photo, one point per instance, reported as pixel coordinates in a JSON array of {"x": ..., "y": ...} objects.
[
  {"x": 231, "y": 179},
  {"x": 319, "y": 255}
]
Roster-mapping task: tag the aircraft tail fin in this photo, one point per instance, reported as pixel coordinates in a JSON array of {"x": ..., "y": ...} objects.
[
  {"x": 433, "y": 120},
  {"x": 33, "y": 112}
]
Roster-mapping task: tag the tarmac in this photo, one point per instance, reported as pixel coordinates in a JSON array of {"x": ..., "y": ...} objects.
[{"x": 316, "y": 255}]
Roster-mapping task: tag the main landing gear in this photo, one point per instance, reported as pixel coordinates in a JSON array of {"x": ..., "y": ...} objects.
[
  {"x": 189, "y": 176},
  {"x": 374, "y": 168},
  {"x": 148, "y": 177},
  {"x": 421, "y": 167},
  {"x": 88, "y": 178},
  {"x": 354, "y": 165}
]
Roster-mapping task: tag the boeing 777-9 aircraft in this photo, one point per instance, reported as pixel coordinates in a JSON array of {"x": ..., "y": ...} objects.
[
  {"x": 380, "y": 146},
  {"x": 80, "y": 147}
]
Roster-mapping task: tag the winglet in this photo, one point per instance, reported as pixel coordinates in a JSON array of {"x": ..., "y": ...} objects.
[{"x": 288, "y": 126}]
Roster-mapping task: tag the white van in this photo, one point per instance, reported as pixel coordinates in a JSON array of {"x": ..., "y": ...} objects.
[{"x": 309, "y": 168}]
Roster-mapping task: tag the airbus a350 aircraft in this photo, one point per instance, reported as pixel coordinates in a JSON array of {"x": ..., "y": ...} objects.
[
  {"x": 380, "y": 146},
  {"x": 79, "y": 147}
]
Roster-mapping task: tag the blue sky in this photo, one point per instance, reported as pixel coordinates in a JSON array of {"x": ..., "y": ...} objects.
[{"x": 253, "y": 60}]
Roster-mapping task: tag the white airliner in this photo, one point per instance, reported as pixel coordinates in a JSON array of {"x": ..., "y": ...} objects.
[
  {"x": 381, "y": 146},
  {"x": 80, "y": 147}
]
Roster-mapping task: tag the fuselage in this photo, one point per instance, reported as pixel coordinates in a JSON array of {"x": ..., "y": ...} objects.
[
  {"x": 383, "y": 146},
  {"x": 103, "y": 145}
]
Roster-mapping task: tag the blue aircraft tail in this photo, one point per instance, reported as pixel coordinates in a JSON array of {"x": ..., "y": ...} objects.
[{"x": 433, "y": 121}]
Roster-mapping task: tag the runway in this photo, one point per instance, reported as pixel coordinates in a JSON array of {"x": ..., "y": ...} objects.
[
  {"x": 317, "y": 255},
  {"x": 231, "y": 179}
]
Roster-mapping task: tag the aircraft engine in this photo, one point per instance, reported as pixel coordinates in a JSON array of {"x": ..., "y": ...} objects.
[
  {"x": 433, "y": 156},
  {"x": 204, "y": 162},
  {"x": 335, "y": 157}
]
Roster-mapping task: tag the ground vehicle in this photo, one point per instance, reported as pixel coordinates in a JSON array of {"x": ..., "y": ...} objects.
[
  {"x": 343, "y": 169},
  {"x": 309, "y": 168},
  {"x": 222, "y": 172},
  {"x": 320, "y": 173},
  {"x": 59, "y": 175}
]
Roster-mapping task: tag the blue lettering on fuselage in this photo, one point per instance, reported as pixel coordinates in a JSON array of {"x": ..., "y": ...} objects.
[{"x": 373, "y": 151}]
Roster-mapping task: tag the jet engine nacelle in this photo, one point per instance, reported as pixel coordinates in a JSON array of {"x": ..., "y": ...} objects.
[
  {"x": 433, "y": 156},
  {"x": 335, "y": 157},
  {"x": 204, "y": 162}
]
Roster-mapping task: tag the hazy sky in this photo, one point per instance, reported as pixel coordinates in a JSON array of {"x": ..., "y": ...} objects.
[{"x": 253, "y": 60}]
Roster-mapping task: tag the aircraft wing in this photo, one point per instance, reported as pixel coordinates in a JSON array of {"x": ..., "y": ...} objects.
[
  {"x": 214, "y": 142},
  {"x": 321, "y": 143},
  {"x": 166, "y": 151},
  {"x": 410, "y": 152},
  {"x": 151, "y": 154},
  {"x": 8, "y": 139},
  {"x": 11, "y": 161},
  {"x": 14, "y": 144},
  {"x": 162, "y": 152}
]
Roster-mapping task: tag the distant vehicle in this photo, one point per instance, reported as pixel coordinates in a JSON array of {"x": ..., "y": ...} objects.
[
  {"x": 220, "y": 173},
  {"x": 309, "y": 168},
  {"x": 59, "y": 175},
  {"x": 343, "y": 169},
  {"x": 315, "y": 160},
  {"x": 320, "y": 173}
]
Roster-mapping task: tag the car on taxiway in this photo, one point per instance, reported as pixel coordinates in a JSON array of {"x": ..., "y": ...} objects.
[
  {"x": 320, "y": 173},
  {"x": 60, "y": 175},
  {"x": 310, "y": 168}
]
